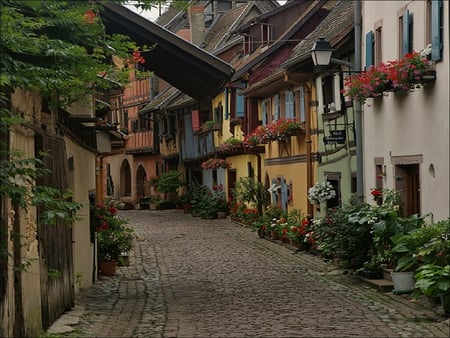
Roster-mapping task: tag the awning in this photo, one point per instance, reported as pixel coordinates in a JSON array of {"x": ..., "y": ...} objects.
[{"x": 185, "y": 66}]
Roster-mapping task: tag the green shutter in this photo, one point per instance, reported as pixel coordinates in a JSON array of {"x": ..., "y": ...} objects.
[
  {"x": 406, "y": 22},
  {"x": 240, "y": 106},
  {"x": 436, "y": 40},
  {"x": 369, "y": 49}
]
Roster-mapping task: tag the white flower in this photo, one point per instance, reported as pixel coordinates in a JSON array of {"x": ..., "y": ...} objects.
[{"x": 321, "y": 192}]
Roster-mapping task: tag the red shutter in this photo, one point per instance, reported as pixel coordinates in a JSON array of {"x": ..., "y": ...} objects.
[{"x": 195, "y": 120}]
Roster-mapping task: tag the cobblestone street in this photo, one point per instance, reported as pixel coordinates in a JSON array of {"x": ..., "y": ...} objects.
[{"x": 190, "y": 277}]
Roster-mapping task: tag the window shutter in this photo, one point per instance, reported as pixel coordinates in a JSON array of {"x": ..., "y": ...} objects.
[
  {"x": 195, "y": 120},
  {"x": 239, "y": 106},
  {"x": 337, "y": 92},
  {"x": 289, "y": 103},
  {"x": 276, "y": 113},
  {"x": 436, "y": 41},
  {"x": 406, "y": 31},
  {"x": 284, "y": 194},
  {"x": 227, "y": 113},
  {"x": 369, "y": 49}
]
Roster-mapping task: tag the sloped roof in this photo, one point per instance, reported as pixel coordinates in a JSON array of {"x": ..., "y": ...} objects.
[
  {"x": 334, "y": 28},
  {"x": 166, "y": 95},
  {"x": 218, "y": 37},
  {"x": 182, "y": 64},
  {"x": 315, "y": 7}
]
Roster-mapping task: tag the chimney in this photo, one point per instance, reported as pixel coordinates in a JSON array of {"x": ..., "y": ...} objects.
[{"x": 197, "y": 24}]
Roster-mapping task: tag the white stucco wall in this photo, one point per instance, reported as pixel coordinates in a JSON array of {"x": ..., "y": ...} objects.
[
  {"x": 414, "y": 123},
  {"x": 83, "y": 173}
]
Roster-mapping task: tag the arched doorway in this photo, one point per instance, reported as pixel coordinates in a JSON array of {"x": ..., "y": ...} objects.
[
  {"x": 125, "y": 179},
  {"x": 141, "y": 180}
]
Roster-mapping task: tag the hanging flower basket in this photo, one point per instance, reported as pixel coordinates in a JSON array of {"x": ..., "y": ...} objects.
[
  {"x": 321, "y": 192},
  {"x": 397, "y": 75},
  {"x": 279, "y": 130},
  {"x": 216, "y": 163}
]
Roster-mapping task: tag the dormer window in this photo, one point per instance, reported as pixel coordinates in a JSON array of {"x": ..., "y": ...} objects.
[
  {"x": 266, "y": 34},
  {"x": 248, "y": 44}
]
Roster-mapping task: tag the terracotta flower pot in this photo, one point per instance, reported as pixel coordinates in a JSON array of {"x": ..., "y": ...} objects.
[{"x": 108, "y": 268}]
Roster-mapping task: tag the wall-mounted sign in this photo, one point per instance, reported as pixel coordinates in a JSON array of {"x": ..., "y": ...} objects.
[{"x": 336, "y": 136}]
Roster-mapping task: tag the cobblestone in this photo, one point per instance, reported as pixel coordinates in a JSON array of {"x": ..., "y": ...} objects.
[{"x": 190, "y": 277}]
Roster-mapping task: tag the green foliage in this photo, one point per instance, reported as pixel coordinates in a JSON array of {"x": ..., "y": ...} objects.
[
  {"x": 433, "y": 280},
  {"x": 252, "y": 193},
  {"x": 52, "y": 47},
  {"x": 206, "y": 203},
  {"x": 169, "y": 182},
  {"x": 113, "y": 237},
  {"x": 345, "y": 234}
]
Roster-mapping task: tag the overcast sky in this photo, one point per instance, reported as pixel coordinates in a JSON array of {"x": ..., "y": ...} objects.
[{"x": 154, "y": 13}]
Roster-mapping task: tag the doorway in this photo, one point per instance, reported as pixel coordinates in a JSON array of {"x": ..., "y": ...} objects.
[{"x": 407, "y": 183}]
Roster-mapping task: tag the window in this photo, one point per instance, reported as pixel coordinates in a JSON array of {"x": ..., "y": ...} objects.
[
  {"x": 378, "y": 57},
  {"x": 266, "y": 34},
  {"x": 248, "y": 44},
  {"x": 289, "y": 106},
  {"x": 276, "y": 108},
  {"x": 327, "y": 92},
  {"x": 301, "y": 98},
  {"x": 335, "y": 180},
  {"x": 218, "y": 113},
  {"x": 379, "y": 173}
]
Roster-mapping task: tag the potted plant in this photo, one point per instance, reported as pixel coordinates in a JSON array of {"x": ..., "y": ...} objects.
[
  {"x": 405, "y": 252},
  {"x": 113, "y": 238},
  {"x": 169, "y": 183},
  {"x": 321, "y": 192},
  {"x": 433, "y": 276},
  {"x": 434, "y": 280},
  {"x": 112, "y": 243}
]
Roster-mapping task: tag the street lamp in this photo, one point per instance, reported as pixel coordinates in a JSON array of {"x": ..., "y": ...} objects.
[
  {"x": 321, "y": 52},
  {"x": 321, "y": 56}
]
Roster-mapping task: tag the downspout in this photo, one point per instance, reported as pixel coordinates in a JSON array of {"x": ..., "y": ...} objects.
[
  {"x": 357, "y": 105},
  {"x": 309, "y": 169}
]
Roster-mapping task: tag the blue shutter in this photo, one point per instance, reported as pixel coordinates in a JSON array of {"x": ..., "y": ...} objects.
[
  {"x": 239, "y": 106},
  {"x": 369, "y": 49},
  {"x": 436, "y": 41},
  {"x": 284, "y": 194},
  {"x": 405, "y": 38},
  {"x": 276, "y": 113}
]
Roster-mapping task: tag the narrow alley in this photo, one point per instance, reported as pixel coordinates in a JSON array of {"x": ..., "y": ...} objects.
[{"x": 190, "y": 277}]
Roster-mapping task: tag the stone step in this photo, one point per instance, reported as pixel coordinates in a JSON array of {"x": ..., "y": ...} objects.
[{"x": 379, "y": 284}]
